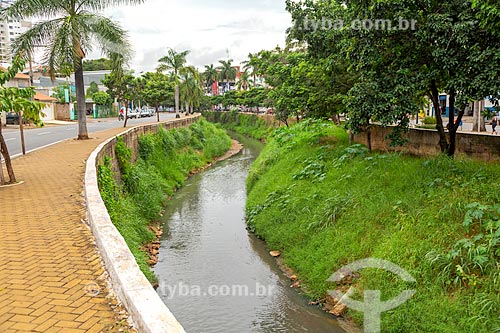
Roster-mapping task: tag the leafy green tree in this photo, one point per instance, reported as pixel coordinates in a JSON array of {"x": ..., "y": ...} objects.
[
  {"x": 120, "y": 87},
  {"x": 100, "y": 64},
  {"x": 92, "y": 89},
  {"x": 447, "y": 50},
  {"x": 101, "y": 98},
  {"x": 71, "y": 30},
  {"x": 159, "y": 89},
  {"x": 173, "y": 62},
  {"x": 19, "y": 100}
]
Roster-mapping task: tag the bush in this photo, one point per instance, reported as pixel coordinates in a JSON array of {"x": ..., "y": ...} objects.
[
  {"x": 323, "y": 204},
  {"x": 430, "y": 121},
  {"x": 165, "y": 160},
  {"x": 246, "y": 124}
]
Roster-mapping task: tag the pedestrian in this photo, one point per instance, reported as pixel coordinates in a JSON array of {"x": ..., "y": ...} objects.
[
  {"x": 494, "y": 123},
  {"x": 121, "y": 115}
]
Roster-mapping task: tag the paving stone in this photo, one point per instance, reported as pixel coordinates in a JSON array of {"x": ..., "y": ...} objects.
[{"x": 47, "y": 252}]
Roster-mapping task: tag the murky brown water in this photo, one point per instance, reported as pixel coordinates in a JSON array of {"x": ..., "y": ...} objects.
[{"x": 215, "y": 276}]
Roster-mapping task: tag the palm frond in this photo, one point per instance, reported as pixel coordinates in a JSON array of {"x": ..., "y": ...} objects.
[
  {"x": 100, "y": 5},
  {"x": 173, "y": 61},
  {"x": 111, "y": 38},
  {"x": 22, "y": 9},
  {"x": 37, "y": 36}
]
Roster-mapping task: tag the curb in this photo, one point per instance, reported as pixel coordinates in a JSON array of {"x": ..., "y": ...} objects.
[{"x": 144, "y": 305}]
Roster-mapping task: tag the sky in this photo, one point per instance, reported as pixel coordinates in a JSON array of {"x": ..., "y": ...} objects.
[{"x": 211, "y": 29}]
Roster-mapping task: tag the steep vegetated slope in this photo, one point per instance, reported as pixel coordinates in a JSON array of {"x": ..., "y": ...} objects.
[
  {"x": 325, "y": 204},
  {"x": 165, "y": 160}
]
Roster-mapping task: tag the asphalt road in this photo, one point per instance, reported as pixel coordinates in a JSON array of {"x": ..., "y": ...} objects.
[{"x": 39, "y": 137}]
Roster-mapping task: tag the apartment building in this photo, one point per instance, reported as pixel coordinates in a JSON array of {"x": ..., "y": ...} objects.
[{"x": 9, "y": 30}]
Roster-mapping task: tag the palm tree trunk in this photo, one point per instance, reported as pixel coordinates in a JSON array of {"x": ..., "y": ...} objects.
[
  {"x": 5, "y": 153},
  {"x": 80, "y": 100},
  {"x": 177, "y": 101}
]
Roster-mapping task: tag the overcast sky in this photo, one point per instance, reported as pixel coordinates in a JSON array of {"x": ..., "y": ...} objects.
[{"x": 209, "y": 28}]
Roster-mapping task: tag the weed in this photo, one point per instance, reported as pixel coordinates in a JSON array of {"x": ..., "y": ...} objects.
[{"x": 165, "y": 159}]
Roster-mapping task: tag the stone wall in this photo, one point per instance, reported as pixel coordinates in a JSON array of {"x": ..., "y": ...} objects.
[
  {"x": 131, "y": 139},
  {"x": 62, "y": 111},
  {"x": 423, "y": 142}
]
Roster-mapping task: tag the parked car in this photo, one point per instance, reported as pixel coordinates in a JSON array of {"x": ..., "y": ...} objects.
[
  {"x": 145, "y": 112},
  {"x": 133, "y": 113},
  {"x": 12, "y": 118}
]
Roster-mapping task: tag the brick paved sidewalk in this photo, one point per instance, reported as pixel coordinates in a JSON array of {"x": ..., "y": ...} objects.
[{"x": 48, "y": 259}]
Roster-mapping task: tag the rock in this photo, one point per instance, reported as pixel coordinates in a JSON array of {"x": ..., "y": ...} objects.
[
  {"x": 275, "y": 254},
  {"x": 339, "y": 309}
]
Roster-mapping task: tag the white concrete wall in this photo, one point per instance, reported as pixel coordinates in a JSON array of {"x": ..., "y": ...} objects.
[{"x": 48, "y": 113}]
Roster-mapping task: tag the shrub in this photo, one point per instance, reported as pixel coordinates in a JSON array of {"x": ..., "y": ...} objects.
[
  {"x": 165, "y": 160},
  {"x": 430, "y": 121}
]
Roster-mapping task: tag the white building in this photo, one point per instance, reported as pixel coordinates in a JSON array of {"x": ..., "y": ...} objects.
[{"x": 9, "y": 30}]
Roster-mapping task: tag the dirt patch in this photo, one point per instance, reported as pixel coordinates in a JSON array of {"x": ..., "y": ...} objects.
[{"x": 327, "y": 303}]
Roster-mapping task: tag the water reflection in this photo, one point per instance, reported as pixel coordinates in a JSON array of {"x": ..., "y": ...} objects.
[{"x": 214, "y": 276}]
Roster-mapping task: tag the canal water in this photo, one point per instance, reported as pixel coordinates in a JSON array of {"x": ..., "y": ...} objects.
[{"x": 216, "y": 277}]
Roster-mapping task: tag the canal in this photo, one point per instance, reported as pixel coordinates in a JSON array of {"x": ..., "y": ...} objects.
[{"x": 216, "y": 277}]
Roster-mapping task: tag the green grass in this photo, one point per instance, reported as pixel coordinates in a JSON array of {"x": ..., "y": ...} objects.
[
  {"x": 324, "y": 204},
  {"x": 165, "y": 160},
  {"x": 246, "y": 124}
]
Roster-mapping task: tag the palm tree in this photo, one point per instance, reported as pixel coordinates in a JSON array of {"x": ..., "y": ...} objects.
[
  {"x": 252, "y": 63},
  {"x": 190, "y": 88},
  {"x": 71, "y": 30},
  {"x": 245, "y": 82},
  {"x": 227, "y": 72},
  {"x": 211, "y": 75},
  {"x": 174, "y": 62}
]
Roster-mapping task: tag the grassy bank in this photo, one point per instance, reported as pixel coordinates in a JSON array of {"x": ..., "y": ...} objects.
[
  {"x": 165, "y": 160},
  {"x": 324, "y": 204},
  {"x": 247, "y": 124}
]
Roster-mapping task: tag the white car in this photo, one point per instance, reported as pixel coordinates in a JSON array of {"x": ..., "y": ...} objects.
[{"x": 133, "y": 113}]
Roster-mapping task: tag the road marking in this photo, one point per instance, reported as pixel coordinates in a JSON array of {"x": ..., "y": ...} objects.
[
  {"x": 7, "y": 140},
  {"x": 70, "y": 129},
  {"x": 44, "y": 133}
]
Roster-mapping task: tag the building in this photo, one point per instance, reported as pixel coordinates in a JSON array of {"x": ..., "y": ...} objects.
[
  {"x": 444, "y": 105},
  {"x": 9, "y": 30}
]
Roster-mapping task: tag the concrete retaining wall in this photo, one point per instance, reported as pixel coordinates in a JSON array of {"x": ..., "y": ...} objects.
[
  {"x": 422, "y": 142},
  {"x": 146, "y": 309}
]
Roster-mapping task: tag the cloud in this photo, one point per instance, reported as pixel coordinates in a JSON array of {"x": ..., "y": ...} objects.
[{"x": 209, "y": 29}]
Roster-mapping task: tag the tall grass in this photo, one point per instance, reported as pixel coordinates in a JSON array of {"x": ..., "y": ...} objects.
[
  {"x": 325, "y": 204},
  {"x": 246, "y": 124},
  {"x": 165, "y": 160}
]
